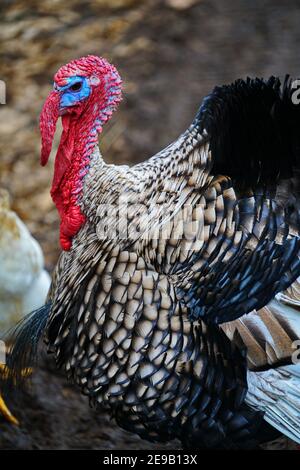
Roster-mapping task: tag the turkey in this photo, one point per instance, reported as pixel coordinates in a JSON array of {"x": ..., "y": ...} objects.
[
  {"x": 174, "y": 304},
  {"x": 23, "y": 281}
]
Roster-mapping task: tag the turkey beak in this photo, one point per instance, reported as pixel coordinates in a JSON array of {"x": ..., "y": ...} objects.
[{"x": 48, "y": 119}]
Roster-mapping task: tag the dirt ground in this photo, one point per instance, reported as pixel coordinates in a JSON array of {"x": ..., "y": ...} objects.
[{"x": 170, "y": 53}]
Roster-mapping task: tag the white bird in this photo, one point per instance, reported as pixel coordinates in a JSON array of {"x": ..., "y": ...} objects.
[{"x": 24, "y": 282}]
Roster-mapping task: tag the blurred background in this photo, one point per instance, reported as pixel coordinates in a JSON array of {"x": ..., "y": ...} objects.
[{"x": 170, "y": 54}]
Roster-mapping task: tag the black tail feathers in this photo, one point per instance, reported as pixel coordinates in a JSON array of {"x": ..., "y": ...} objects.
[
  {"x": 22, "y": 343},
  {"x": 253, "y": 127}
]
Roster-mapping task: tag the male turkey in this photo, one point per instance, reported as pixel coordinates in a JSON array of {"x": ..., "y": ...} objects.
[{"x": 158, "y": 256}]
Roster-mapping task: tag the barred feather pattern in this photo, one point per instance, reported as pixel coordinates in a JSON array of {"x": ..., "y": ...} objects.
[
  {"x": 132, "y": 349},
  {"x": 135, "y": 320}
]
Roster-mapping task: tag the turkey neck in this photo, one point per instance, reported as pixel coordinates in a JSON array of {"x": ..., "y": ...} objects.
[{"x": 78, "y": 141}]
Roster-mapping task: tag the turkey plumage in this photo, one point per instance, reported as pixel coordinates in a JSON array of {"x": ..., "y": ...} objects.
[{"x": 157, "y": 256}]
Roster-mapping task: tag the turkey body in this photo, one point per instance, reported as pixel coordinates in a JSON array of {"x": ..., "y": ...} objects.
[{"x": 198, "y": 236}]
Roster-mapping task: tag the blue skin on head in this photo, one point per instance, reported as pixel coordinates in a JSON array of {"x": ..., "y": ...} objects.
[{"x": 77, "y": 89}]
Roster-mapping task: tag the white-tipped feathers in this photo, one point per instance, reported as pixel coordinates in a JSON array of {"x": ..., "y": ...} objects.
[{"x": 276, "y": 392}]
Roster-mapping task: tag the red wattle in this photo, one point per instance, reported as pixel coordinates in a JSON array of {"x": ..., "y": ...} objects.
[
  {"x": 65, "y": 150},
  {"x": 68, "y": 163}
]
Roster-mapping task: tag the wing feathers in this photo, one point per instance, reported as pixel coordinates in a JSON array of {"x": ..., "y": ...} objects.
[
  {"x": 254, "y": 142},
  {"x": 268, "y": 334}
]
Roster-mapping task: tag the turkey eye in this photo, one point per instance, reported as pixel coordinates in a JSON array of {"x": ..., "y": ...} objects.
[{"x": 76, "y": 86}]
